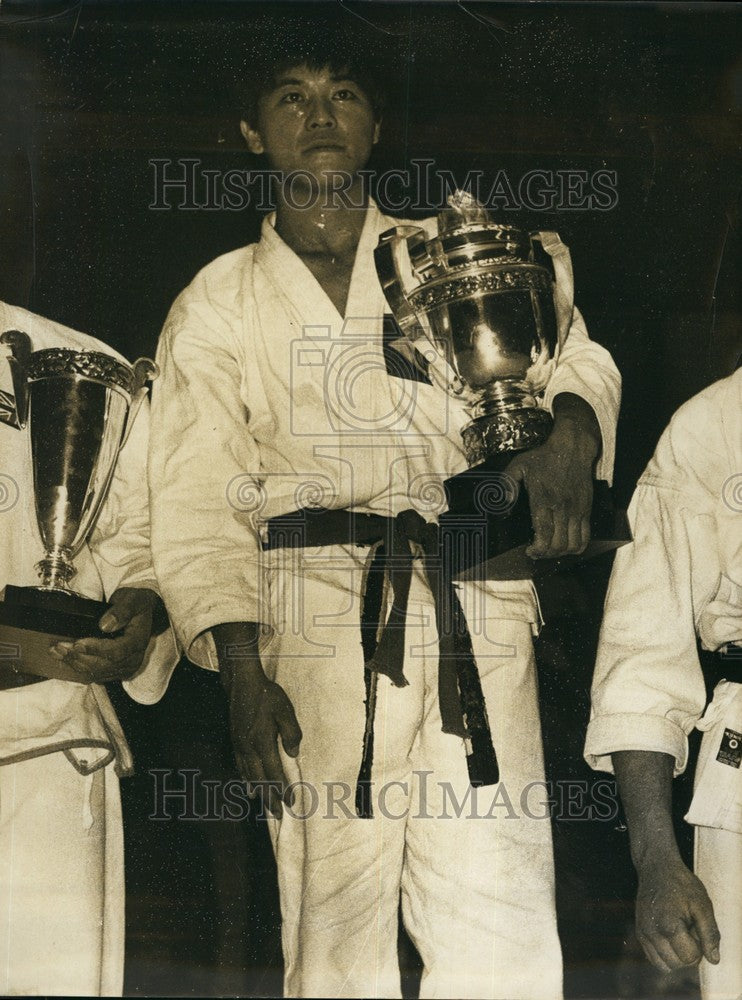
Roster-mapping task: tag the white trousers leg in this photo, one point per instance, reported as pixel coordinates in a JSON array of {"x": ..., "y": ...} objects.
[
  {"x": 718, "y": 864},
  {"x": 61, "y": 880},
  {"x": 478, "y": 893}
]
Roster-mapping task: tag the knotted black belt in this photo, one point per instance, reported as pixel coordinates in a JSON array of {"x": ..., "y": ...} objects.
[
  {"x": 462, "y": 706},
  {"x": 728, "y": 663}
]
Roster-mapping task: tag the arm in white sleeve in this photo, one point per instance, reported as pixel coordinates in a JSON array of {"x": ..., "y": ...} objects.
[
  {"x": 206, "y": 555},
  {"x": 120, "y": 546},
  {"x": 587, "y": 370},
  {"x": 648, "y": 690},
  {"x": 120, "y": 542}
]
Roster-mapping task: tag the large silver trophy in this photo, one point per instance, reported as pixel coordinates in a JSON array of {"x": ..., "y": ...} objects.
[
  {"x": 476, "y": 310},
  {"x": 485, "y": 307},
  {"x": 77, "y": 408}
]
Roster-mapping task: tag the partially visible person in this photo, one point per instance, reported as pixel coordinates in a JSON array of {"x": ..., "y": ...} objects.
[
  {"x": 62, "y": 750},
  {"x": 681, "y": 579}
]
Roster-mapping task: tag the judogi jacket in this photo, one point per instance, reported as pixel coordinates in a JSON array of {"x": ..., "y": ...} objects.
[
  {"x": 269, "y": 401},
  {"x": 681, "y": 577}
]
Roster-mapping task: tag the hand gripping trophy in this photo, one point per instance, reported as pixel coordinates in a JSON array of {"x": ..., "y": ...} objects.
[
  {"x": 77, "y": 408},
  {"x": 477, "y": 306}
]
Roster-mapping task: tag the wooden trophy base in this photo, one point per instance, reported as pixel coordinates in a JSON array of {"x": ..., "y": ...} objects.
[
  {"x": 31, "y": 620},
  {"x": 487, "y": 527}
]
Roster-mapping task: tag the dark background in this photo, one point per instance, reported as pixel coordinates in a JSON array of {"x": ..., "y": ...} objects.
[{"x": 90, "y": 93}]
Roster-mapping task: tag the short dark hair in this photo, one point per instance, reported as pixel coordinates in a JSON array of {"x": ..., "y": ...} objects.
[{"x": 340, "y": 51}]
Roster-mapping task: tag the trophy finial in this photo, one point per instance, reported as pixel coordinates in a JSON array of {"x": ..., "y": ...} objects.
[{"x": 463, "y": 209}]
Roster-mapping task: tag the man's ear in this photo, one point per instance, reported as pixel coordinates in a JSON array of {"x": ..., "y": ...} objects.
[
  {"x": 252, "y": 138},
  {"x": 377, "y": 131}
]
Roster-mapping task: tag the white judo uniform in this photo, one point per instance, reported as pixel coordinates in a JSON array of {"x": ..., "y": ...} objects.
[
  {"x": 61, "y": 746},
  {"x": 270, "y": 401},
  {"x": 682, "y": 578}
]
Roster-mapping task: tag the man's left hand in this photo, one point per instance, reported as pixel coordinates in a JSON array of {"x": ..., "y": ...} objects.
[
  {"x": 99, "y": 660},
  {"x": 558, "y": 477}
]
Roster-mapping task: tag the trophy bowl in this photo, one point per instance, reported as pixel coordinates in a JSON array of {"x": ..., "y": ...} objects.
[
  {"x": 76, "y": 408},
  {"x": 480, "y": 300}
]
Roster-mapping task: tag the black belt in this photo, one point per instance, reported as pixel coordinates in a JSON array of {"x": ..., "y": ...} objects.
[
  {"x": 463, "y": 710},
  {"x": 728, "y": 663}
]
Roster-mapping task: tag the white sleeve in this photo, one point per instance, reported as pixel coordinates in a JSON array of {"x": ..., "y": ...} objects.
[
  {"x": 206, "y": 554},
  {"x": 120, "y": 547},
  {"x": 120, "y": 542},
  {"x": 587, "y": 370},
  {"x": 648, "y": 690}
]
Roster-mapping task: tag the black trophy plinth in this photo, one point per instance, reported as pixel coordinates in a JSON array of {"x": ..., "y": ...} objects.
[
  {"x": 32, "y": 619},
  {"x": 488, "y": 526}
]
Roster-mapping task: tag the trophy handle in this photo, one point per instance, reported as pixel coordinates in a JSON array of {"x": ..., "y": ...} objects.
[
  {"x": 145, "y": 371},
  {"x": 564, "y": 292},
  {"x": 393, "y": 266},
  {"x": 20, "y": 347}
]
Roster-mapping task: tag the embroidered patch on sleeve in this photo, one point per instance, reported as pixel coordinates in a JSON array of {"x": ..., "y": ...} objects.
[{"x": 730, "y": 751}]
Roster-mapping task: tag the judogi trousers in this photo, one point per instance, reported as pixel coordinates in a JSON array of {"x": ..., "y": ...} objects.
[
  {"x": 61, "y": 879},
  {"x": 718, "y": 864},
  {"x": 716, "y": 812},
  {"x": 474, "y": 869}
]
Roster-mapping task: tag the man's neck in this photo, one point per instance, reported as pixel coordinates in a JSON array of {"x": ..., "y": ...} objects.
[{"x": 319, "y": 230}]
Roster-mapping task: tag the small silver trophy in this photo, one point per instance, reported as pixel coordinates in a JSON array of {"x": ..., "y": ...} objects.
[{"x": 77, "y": 408}]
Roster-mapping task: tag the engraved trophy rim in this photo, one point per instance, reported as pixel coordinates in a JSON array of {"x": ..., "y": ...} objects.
[{"x": 95, "y": 366}]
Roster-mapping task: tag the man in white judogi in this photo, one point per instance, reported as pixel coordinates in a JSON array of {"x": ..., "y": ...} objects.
[
  {"x": 61, "y": 747},
  {"x": 681, "y": 578},
  {"x": 274, "y": 395}
]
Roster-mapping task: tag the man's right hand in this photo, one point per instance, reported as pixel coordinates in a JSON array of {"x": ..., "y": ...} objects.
[
  {"x": 259, "y": 711},
  {"x": 674, "y": 918}
]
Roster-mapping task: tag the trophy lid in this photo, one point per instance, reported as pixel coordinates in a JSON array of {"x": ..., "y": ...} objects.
[
  {"x": 468, "y": 235},
  {"x": 467, "y": 231}
]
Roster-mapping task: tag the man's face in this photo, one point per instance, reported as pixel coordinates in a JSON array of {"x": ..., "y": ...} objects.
[{"x": 315, "y": 121}]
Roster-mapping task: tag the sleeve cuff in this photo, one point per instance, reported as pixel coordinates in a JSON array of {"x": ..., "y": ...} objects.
[
  {"x": 198, "y": 642},
  {"x": 610, "y": 733},
  {"x": 112, "y": 579},
  {"x": 160, "y": 659},
  {"x": 603, "y": 414}
]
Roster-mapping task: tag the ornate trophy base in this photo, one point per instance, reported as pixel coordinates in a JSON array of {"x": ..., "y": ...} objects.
[
  {"x": 505, "y": 431},
  {"x": 32, "y": 619},
  {"x": 488, "y": 524}
]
